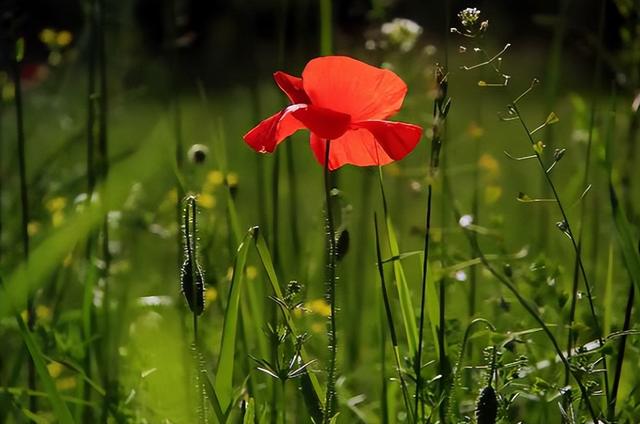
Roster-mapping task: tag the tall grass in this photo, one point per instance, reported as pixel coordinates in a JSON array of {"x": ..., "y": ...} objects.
[{"x": 254, "y": 350}]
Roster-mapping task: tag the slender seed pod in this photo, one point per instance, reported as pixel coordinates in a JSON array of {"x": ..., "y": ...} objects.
[{"x": 191, "y": 275}]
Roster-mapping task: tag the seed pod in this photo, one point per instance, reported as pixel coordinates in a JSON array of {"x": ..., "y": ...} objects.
[
  {"x": 342, "y": 244},
  {"x": 192, "y": 290},
  {"x": 487, "y": 406},
  {"x": 191, "y": 276}
]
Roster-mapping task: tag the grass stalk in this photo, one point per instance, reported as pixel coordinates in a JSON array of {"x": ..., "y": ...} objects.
[
  {"x": 24, "y": 204},
  {"x": 330, "y": 398},
  {"x": 585, "y": 182},
  {"x": 626, "y": 180},
  {"x": 440, "y": 114},
  {"x": 88, "y": 308},
  {"x": 392, "y": 329},
  {"x": 423, "y": 298},
  {"x": 109, "y": 365},
  {"x": 552, "y": 80}
]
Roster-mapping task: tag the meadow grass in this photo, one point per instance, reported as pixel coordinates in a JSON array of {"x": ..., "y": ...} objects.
[{"x": 297, "y": 306}]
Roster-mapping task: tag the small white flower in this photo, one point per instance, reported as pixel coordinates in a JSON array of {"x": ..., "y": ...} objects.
[
  {"x": 402, "y": 33},
  {"x": 461, "y": 276},
  {"x": 465, "y": 221}
]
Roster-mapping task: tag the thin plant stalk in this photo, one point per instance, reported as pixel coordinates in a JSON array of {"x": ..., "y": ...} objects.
[
  {"x": 444, "y": 368},
  {"x": 626, "y": 178},
  {"x": 585, "y": 182},
  {"x": 423, "y": 298},
  {"x": 439, "y": 118},
  {"x": 552, "y": 80},
  {"x": 391, "y": 325},
  {"x": 622, "y": 345},
  {"x": 631, "y": 141},
  {"x": 384, "y": 392},
  {"x": 88, "y": 305},
  {"x": 109, "y": 366},
  {"x": 275, "y": 249},
  {"x": 24, "y": 203},
  {"x": 330, "y": 399},
  {"x": 568, "y": 231}
]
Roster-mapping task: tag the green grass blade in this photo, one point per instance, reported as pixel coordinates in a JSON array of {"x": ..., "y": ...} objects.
[
  {"x": 212, "y": 396},
  {"x": 224, "y": 377},
  {"x": 60, "y": 409},
  {"x": 404, "y": 294},
  {"x": 250, "y": 413}
]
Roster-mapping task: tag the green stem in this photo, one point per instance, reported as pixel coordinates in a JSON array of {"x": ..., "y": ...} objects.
[
  {"x": 88, "y": 306},
  {"x": 24, "y": 202},
  {"x": 423, "y": 298},
  {"x": 585, "y": 182},
  {"x": 617, "y": 376},
  {"x": 330, "y": 399},
  {"x": 109, "y": 365},
  {"x": 626, "y": 179},
  {"x": 392, "y": 328}
]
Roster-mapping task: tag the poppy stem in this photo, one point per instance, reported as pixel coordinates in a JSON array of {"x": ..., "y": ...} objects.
[{"x": 330, "y": 399}]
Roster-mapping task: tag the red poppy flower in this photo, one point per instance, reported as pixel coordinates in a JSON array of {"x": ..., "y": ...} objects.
[{"x": 345, "y": 101}]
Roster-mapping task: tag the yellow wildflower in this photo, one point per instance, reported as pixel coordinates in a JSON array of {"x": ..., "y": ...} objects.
[
  {"x": 56, "y": 204},
  {"x": 207, "y": 201},
  {"x": 67, "y": 383},
  {"x": 33, "y": 228},
  {"x": 215, "y": 178},
  {"x": 319, "y": 306},
  {"x": 55, "y": 369},
  {"x": 489, "y": 164},
  {"x": 210, "y": 295},
  {"x": 64, "y": 38},
  {"x": 252, "y": 272},
  {"x": 48, "y": 36}
]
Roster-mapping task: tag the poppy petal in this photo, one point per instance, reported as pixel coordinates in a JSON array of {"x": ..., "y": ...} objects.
[
  {"x": 265, "y": 136},
  {"x": 356, "y": 147},
  {"x": 349, "y": 86},
  {"x": 396, "y": 138},
  {"x": 292, "y": 87},
  {"x": 324, "y": 123}
]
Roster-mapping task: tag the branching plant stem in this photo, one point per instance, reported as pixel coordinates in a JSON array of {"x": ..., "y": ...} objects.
[
  {"x": 507, "y": 282},
  {"x": 568, "y": 231}
]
